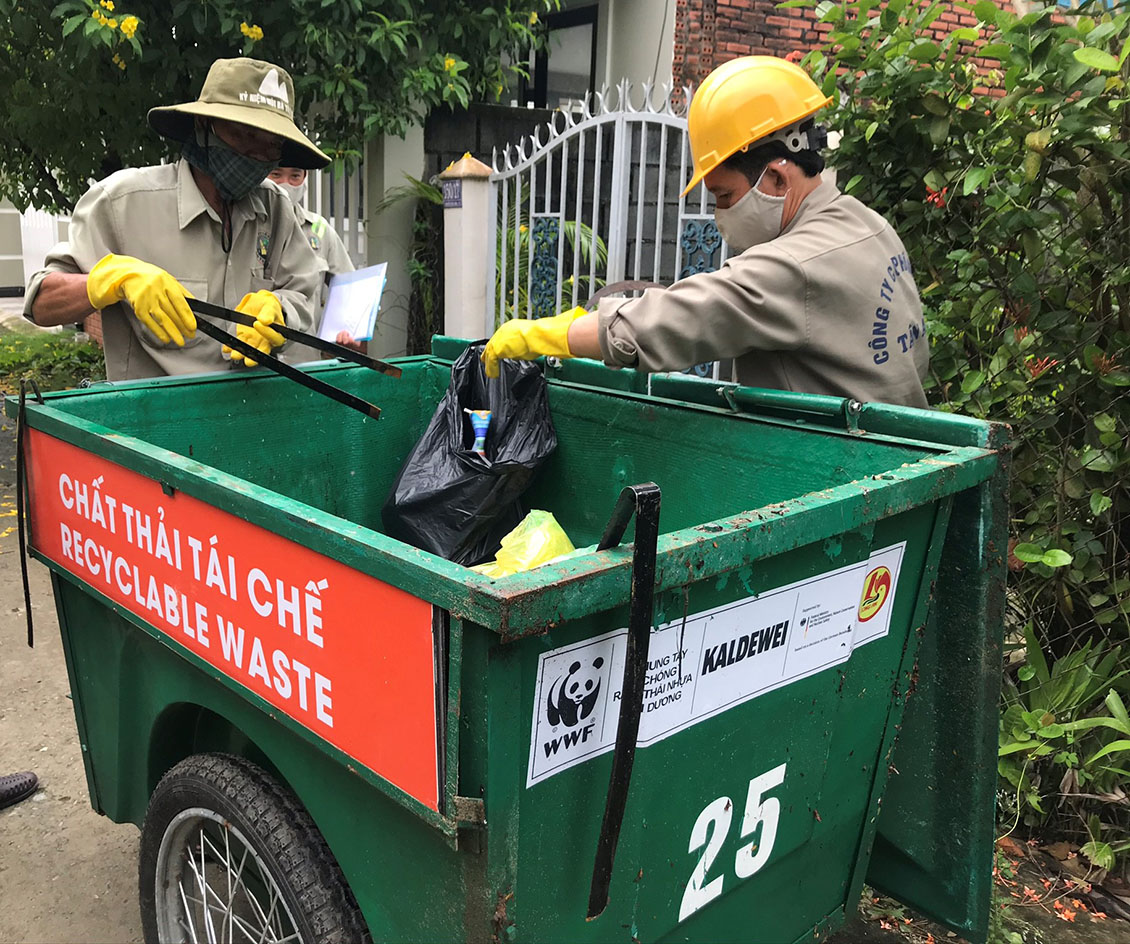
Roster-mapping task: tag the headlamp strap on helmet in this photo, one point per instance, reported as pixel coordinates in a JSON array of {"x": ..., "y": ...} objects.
[{"x": 812, "y": 138}]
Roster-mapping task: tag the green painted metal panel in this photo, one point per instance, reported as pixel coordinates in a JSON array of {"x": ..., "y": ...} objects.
[
  {"x": 827, "y": 729},
  {"x": 760, "y": 490},
  {"x": 930, "y": 852}
]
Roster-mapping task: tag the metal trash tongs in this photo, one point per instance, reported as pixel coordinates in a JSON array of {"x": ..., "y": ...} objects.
[{"x": 279, "y": 367}]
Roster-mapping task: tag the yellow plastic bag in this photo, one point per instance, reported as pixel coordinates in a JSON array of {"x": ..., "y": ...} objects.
[{"x": 537, "y": 540}]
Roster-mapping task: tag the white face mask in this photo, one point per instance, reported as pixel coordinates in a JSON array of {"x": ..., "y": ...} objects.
[
  {"x": 296, "y": 193},
  {"x": 756, "y": 218}
]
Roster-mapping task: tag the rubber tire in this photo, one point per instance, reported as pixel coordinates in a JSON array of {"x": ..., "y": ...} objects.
[{"x": 278, "y": 828}]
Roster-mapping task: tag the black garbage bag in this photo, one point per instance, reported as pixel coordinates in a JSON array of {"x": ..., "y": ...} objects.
[{"x": 451, "y": 501}]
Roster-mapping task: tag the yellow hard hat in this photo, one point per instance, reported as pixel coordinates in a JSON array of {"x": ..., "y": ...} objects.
[{"x": 743, "y": 101}]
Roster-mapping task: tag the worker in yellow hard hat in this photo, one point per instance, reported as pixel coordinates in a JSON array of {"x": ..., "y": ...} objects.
[{"x": 818, "y": 294}]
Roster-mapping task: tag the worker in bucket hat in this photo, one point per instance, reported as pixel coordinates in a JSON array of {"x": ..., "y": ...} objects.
[
  {"x": 817, "y": 295},
  {"x": 207, "y": 226}
]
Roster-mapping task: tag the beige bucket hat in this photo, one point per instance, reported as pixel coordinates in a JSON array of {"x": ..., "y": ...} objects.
[{"x": 250, "y": 92}]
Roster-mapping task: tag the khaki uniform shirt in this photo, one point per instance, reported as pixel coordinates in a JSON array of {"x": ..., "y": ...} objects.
[
  {"x": 332, "y": 255},
  {"x": 158, "y": 214},
  {"x": 829, "y": 306},
  {"x": 333, "y": 258}
]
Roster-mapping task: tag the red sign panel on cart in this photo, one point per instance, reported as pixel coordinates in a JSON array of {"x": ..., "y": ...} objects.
[{"x": 348, "y": 656}]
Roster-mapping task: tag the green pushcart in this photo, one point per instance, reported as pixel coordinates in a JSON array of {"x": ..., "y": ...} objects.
[{"x": 774, "y": 679}]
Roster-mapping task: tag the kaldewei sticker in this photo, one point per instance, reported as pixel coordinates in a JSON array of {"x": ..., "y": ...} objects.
[{"x": 707, "y": 664}]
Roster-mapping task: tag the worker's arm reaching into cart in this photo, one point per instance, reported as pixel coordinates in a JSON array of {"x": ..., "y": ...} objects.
[{"x": 817, "y": 295}]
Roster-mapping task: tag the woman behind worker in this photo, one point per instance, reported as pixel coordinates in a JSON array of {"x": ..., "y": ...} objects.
[{"x": 333, "y": 258}]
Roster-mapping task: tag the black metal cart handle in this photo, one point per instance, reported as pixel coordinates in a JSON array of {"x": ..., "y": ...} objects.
[
  {"x": 23, "y": 512},
  {"x": 644, "y": 501}
]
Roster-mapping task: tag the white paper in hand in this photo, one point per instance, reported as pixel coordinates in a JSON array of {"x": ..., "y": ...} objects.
[{"x": 353, "y": 303}]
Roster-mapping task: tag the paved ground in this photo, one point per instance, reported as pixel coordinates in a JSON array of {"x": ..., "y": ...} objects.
[{"x": 66, "y": 873}]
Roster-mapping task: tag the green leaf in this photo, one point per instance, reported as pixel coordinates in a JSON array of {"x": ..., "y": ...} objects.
[
  {"x": 1114, "y": 747},
  {"x": 1026, "y": 673},
  {"x": 1118, "y": 710},
  {"x": 1029, "y": 553},
  {"x": 928, "y": 52},
  {"x": 1105, "y": 423},
  {"x": 974, "y": 179},
  {"x": 1099, "y": 503},
  {"x": 829, "y": 12},
  {"x": 972, "y": 381},
  {"x": 966, "y": 34},
  {"x": 72, "y": 23},
  {"x": 871, "y": 129},
  {"x": 1051, "y": 731},
  {"x": 1096, "y": 59},
  {"x": 934, "y": 180},
  {"x": 1035, "y": 654},
  {"x": 1100, "y": 854},
  {"x": 995, "y": 50},
  {"x": 1056, "y": 558},
  {"x": 853, "y": 183},
  {"x": 986, "y": 11}
]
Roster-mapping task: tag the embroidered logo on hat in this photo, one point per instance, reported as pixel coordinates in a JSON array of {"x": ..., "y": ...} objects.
[
  {"x": 271, "y": 92},
  {"x": 271, "y": 85}
]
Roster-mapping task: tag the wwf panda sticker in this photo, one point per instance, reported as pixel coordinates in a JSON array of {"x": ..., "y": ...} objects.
[
  {"x": 573, "y": 695},
  {"x": 573, "y": 691}
]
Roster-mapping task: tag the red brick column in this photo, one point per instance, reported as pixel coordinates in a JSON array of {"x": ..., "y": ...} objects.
[{"x": 92, "y": 325}]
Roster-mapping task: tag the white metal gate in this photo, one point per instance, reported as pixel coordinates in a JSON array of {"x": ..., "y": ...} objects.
[{"x": 596, "y": 202}]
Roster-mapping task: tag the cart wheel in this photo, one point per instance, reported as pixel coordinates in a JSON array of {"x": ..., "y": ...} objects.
[{"x": 228, "y": 854}]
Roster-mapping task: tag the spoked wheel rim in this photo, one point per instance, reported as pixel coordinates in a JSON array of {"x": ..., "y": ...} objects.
[{"x": 212, "y": 887}]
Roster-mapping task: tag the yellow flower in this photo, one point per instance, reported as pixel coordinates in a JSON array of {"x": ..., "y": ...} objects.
[
  {"x": 534, "y": 18},
  {"x": 108, "y": 4},
  {"x": 96, "y": 14},
  {"x": 129, "y": 26},
  {"x": 448, "y": 64},
  {"x": 254, "y": 33},
  {"x": 112, "y": 23}
]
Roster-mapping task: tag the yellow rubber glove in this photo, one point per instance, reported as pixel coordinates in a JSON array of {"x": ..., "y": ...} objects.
[
  {"x": 266, "y": 308},
  {"x": 528, "y": 339},
  {"x": 157, "y": 299}
]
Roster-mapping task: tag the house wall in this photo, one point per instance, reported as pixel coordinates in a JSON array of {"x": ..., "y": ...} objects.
[
  {"x": 11, "y": 249},
  {"x": 635, "y": 39},
  {"x": 710, "y": 32},
  {"x": 389, "y": 233}
]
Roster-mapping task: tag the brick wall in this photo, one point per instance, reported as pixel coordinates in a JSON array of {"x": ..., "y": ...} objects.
[
  {"x": 93, "y": 326},
  {"x": 710, "y": 32}
]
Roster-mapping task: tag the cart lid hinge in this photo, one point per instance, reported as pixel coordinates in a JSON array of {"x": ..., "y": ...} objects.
[{"x": 470, "y": 811}]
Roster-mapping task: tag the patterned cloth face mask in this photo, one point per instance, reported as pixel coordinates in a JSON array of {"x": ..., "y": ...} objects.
[{"x": 234, "y": 174}]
